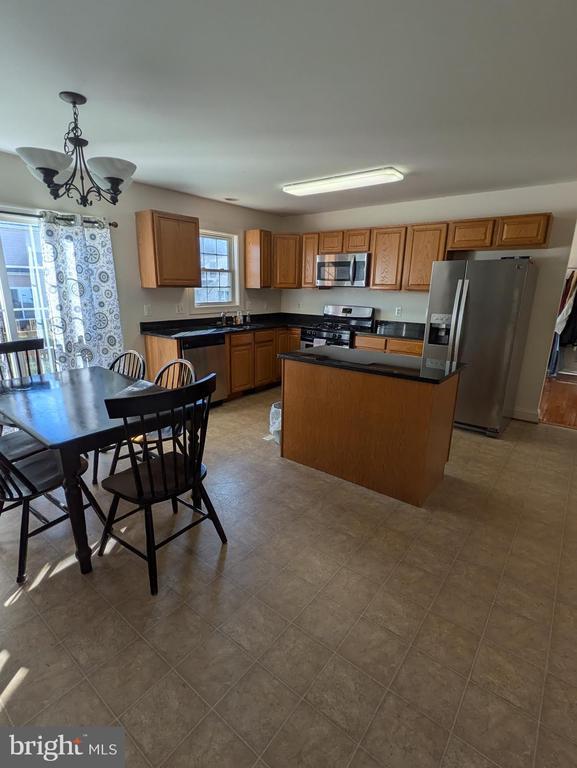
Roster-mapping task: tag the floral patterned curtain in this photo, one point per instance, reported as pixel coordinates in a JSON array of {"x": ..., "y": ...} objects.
[{"x": 80, "y": 284}]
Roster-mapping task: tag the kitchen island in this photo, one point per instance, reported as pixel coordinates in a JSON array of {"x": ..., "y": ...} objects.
[{"x": 382, "y": 421}]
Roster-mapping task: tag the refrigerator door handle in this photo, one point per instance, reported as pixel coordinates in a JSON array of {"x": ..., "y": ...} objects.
[
  {"x": 460, "y": 321},
  {"x": 454, "y": 320}
]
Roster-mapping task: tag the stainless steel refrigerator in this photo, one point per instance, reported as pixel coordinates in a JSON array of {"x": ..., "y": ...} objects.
[{"x": 478, "y": 315}]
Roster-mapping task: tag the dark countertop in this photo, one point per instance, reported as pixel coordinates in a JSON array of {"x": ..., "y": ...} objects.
[
  {"x": 175, "y": 329},
  {"x": 366, "y": 361},
  {"x": 396, "y": 330}
]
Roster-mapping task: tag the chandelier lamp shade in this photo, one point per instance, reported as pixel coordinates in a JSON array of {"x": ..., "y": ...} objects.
[{"x": 69, "y": 173}]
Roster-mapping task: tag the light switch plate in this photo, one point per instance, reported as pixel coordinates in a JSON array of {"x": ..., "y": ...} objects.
[
  {"x": 180, "y": 308},
  {"x": 147, "y": 310},
  {"x": 398, "y": 311}
]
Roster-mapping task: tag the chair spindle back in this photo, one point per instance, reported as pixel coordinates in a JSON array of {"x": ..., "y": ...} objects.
[
  {"x": 130, "y": 363},
  {"x": 20, "y": 359},
  {"x": 161, "y": 418}
]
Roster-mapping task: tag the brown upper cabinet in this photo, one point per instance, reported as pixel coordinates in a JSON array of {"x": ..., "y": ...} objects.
[
  {"x": 522, "y": 231},
  {"x": 310, "y": 251},
  {"x": 356, "y": 240},
  {"x": 286, "y": 259},
  {"x": 331, "y": 242},
  {"x": 387, "y": 248},
  {"x": 257, "y": 258},
  {"x": 426, "y": 243},
  {"x": 470, "y": 234},
  {"x": 168, "y": 249}
]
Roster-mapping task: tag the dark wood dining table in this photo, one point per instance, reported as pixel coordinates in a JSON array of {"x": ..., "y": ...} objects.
[{"x": 66, "y": 412}]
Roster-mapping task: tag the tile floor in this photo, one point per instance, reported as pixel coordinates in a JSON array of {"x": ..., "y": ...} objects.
[{"x": 338, "y": 628}]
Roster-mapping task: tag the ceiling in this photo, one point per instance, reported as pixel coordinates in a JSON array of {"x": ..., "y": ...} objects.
[{"x": 229, "y": 98}]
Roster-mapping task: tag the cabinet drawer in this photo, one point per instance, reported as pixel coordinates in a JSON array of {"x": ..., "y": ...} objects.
[
  {"x": 377, "y": 343},
  {"x": 241, "y": 339},
  {"x": 260, "y": 336},
  {"x": 404, "y": 347}
]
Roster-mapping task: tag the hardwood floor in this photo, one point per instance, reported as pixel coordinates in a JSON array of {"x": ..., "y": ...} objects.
[{"x": 559, "y": 403}]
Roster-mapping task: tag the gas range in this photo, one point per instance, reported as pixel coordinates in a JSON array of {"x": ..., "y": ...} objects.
[{"x": 336, "y": 327}]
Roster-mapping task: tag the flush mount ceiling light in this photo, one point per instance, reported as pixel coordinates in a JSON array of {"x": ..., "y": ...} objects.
[
  {"x": 100, "y": 178},
  {"x": 344, "y": 181}
]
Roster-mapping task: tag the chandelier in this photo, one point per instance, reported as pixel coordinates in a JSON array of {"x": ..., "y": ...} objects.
[{"x": 98, "y": 178}]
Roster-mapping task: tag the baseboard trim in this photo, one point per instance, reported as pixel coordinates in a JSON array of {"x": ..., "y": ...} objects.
[{"x": 522, "y": 415}]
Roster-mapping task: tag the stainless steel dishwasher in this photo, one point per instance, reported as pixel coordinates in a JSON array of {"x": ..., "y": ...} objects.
[{"x": 207, "y": 352}]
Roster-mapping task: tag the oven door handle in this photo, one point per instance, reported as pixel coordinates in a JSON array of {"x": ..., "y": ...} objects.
[{"x": 353, "y": 269}]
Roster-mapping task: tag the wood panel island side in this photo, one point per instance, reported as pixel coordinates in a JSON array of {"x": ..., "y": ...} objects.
[{"x": 382, "y": 421}]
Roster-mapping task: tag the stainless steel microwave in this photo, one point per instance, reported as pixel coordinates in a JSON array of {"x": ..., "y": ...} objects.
[{"x": 344, "y": 269}]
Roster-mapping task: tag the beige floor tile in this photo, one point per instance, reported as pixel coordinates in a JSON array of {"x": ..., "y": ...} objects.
[
  {"x": 254, "y": 626},
  {"x": 214, "y": 666},
  {"x": 433, "y": 689},
  {"x": 144, "y": 611},
  {"x": 496, "y": 728},
  {"x": 112, "y": 631},
  {"x": 398, "y": 614},
  {"x": 518, "y": 635},
  {"x": 414, "y": 583},
  {"x": 461, "y": 755},
  {"x": 125, "y": 677},
  {"x": 217, "y": 601},
  {"x": 512, "y": 596},
  {"x": 178, "y": 634},
  {"x": 314, "y": 566},
  {"x": 560, "y": 707},
  {"x": 447, "y": 643},
  {"x": 373, "y": 649},
  {"x": 80, "y": 706},
  {"x": 288, "y": 593},
  {"x": 163, "y": 717},
  {"x": 431, "y": 560},
  {"x": 532, "y": 576},
  {"x": 400, "y": 737},
  {"x": 309, "y": 740},
  {"x": 212, "y": 744},
  {"x": 350, "y": 590},
  {"x": 468, "y": 610},
  {"x": 362, "y": 759},
  {"x": 296, "y": 659},
  {"x": 555, "y": 752},
  {"x": 510, "y": 677},
  {"x": 132, "y": 755},
  {"x": 347, "y": 696},
  {"x": 257, "y": 706},
  {"x": 327, "y": 621}
]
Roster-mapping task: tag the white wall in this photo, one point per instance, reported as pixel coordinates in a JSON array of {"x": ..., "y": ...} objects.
[
  {"x": 560, "y": 199},
  {"x": 18, "y": 189}
]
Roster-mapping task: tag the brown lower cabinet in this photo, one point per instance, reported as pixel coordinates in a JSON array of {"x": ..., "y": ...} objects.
[
  {"x": 253, "y": 357},
  {"x": 389, "y": 344},
  {"x": 241, "y": 362}
]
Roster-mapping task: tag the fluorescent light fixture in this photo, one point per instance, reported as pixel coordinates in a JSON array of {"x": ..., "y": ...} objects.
[{"x": 344, "y": 181}]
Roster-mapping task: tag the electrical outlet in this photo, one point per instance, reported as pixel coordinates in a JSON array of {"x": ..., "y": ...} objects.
[
  {"x": 147, "y": 310},
  {"x": 180, "y": 308},
  {"x": 398, "y": 311}
]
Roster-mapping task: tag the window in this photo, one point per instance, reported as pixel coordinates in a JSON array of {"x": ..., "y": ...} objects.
[
  {"x": 217, "y": 266},
  {"x": 23, "y": 301}
]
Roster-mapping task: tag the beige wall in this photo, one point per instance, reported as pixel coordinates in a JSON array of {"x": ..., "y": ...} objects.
[
  {"x": 560, "y": 199},
  {"x": 18, "y": 189}
]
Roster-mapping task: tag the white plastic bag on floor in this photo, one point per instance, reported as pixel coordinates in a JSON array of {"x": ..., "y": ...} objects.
[{"x": 275, "y": 423}]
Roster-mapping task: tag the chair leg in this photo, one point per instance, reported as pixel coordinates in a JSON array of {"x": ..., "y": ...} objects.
[
  {"x": 174, "y": 504},
  {"x": 92, "y": 501},
  {"x": 150, "y": 550},
  {"x": 108, "y": 525},
  {"x": 95, "y": 466},
  {"x": 115, "y": 459},
  {"x": 212, "y": 514},
  {"x": 23, "y": 549}
]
